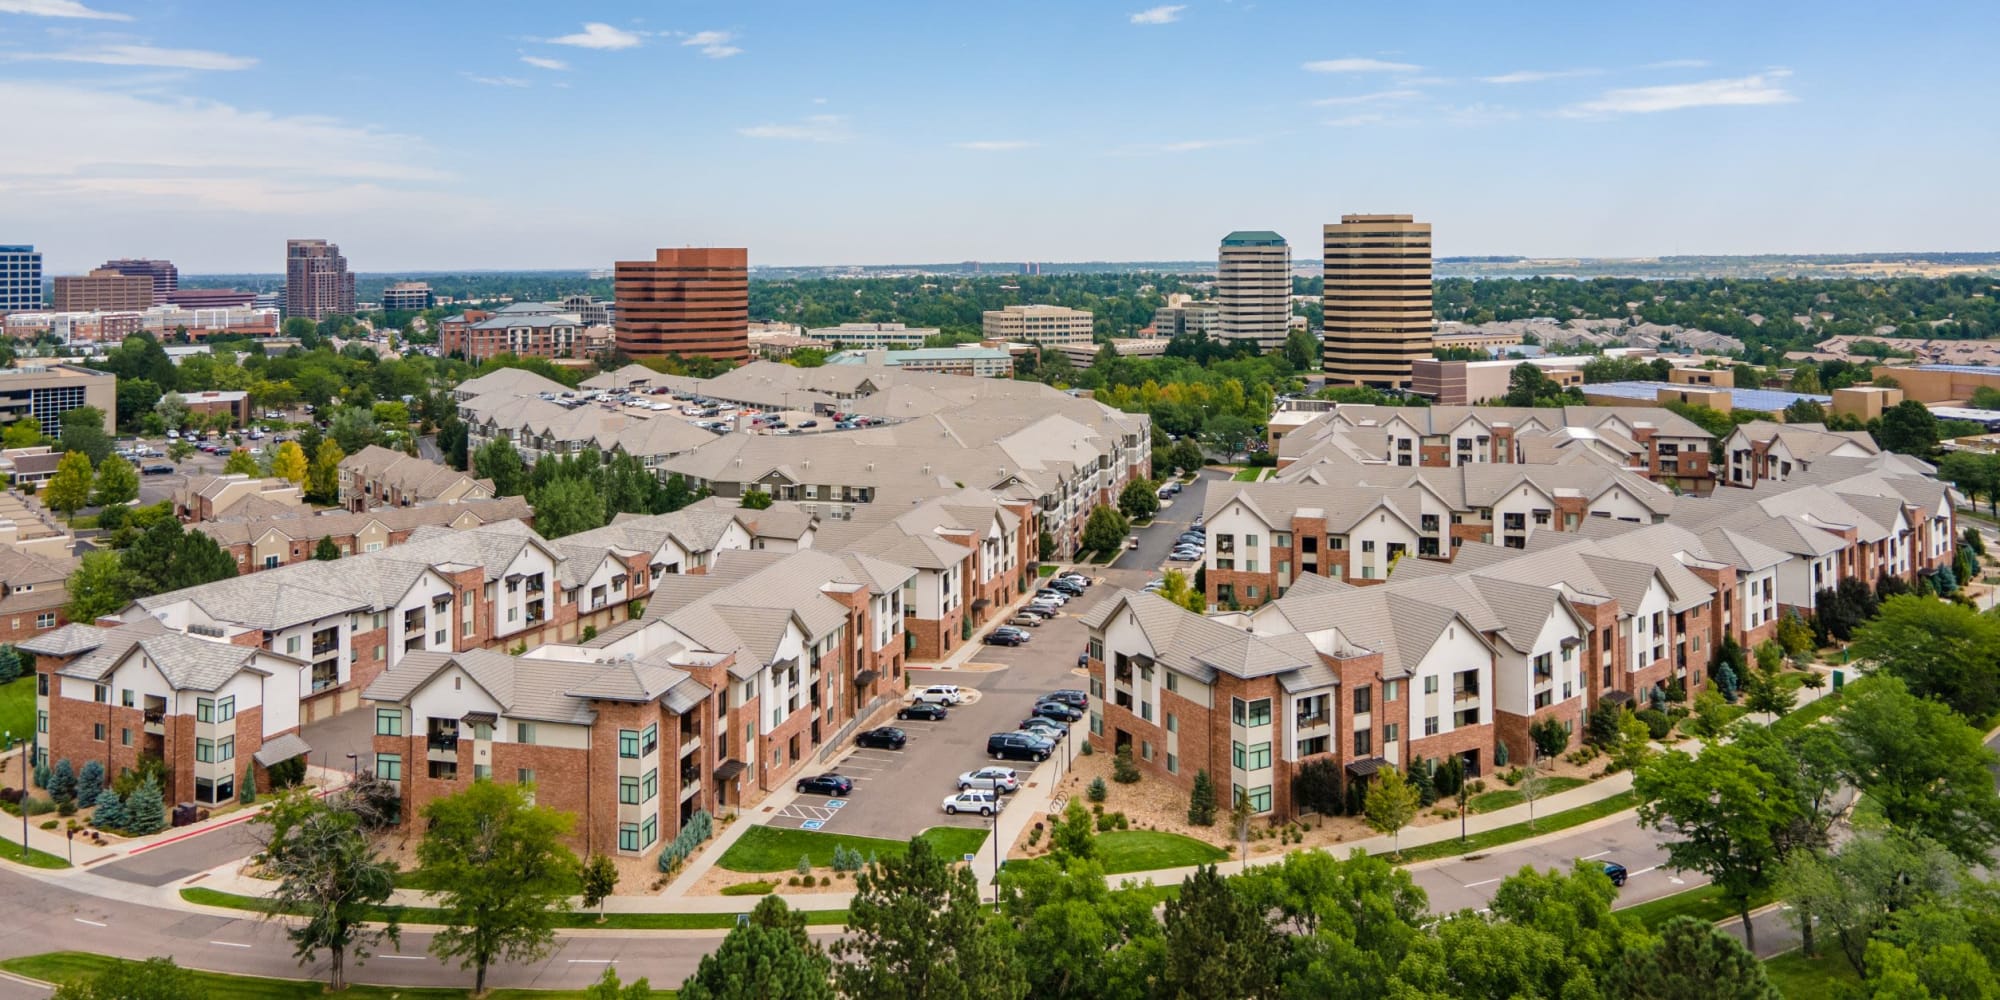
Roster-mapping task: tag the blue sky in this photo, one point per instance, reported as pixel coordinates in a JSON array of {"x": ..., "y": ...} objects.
[{"x": 446, "y": 134}]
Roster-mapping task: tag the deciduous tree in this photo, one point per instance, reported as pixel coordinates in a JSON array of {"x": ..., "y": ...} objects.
[
  {"x": 916, "y": 931},
  {"x": 1105, "y": 529},
  {"x": 328, "y": 872},
  {"x": 1693, "y": 960},
  {"x": 755, "y": 500},
  {"x": 1175, "y": 587},
  {"x": 497, "y": 460},
  {"x": 769, "y": 956},
  {"x": 69, "y": 489},
  {"x": 501, "y": 874},
  {"x": 289, "y": 463},
  {"x": 1727, "y": 826},
  {"x": 241, "y": 463},
  {"x": 117, "y": 483},
  {"x": 97, "y": 587},
  {"x": 1391, "y": 804},
  {"x": 1943, "y": 651},
  {"x": 1139, "y": 499},
  {"x": 1922, "y": 765}
]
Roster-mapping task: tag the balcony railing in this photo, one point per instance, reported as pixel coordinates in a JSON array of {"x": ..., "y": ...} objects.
[
  {"x": 1308, "y": 721},
  {"x": 1464, "y": 695},
  {"x": 439, "y": 742}
]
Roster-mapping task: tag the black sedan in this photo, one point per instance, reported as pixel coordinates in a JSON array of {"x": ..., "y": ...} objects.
[
  {"x": 885, "y": 738},
  {"x": 826, "y": 784},
  {"x": 1069, "y": 696},
  {"x": 923, "y": 710},
  {"x": 998, "y": 638}
]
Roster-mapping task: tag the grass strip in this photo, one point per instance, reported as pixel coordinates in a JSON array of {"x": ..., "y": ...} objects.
[
  {"x": 1121, "y": 851},
  {"x": 773, "y": 849},
  {"x": 62, "y": 967},
  {"x": 434, "y": 916},
  {"x": 1705, "y": 903},
  {"x": 1519, "y": 831}
]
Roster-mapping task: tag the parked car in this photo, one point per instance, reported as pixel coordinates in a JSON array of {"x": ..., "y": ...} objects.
[
  {"x": 826, "y": 784},
  {"x": 1075, "y": 577},
  {"x": 158, "y": 470},
  {"x": 1174, "y": 488},
  {"x": 922, "y": 711},
  {"x": 1155, "y": 586},
  {"x": 1025, "y": 620},
  {"x": 1185, "y": 555},
  {"x": 1165, "y": 493},
  {"x": 1042, "y": 725},
  {"x": 983, "y": 803},
  {"x": 884, "y": 738},
  {"x": 1040, "y": 614},
  {"x": 1048, "y": 606},
  {"x": 1069, "y": 696},
  {"x": 1011, "y": 630},
  {"x": 999, "y": 638},
  {"x": 803, "y": 424},
  {"x": 943, "y": 694},
  {"x": 1017, "y": 746},
  {"x": 1052, "y": 594},
  {"x": 1058, "y": 711},
  {"x": 1067, "y": 587},
  {"x": 999, "y": 779}
]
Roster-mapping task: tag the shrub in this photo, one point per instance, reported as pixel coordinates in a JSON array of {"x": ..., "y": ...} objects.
[
  {"x": 1086, "y": 749},
  {"x": 1123, "y": 771},
  {"x": 1097, "y": 792},
  {"x": 1104, "y": 822},
  {"x": 700, "y": 826},
  {"x": 825, "y": 880},
  {"x": 1118, "y": 818},
  {"x": 246, "y": 792},
  {"x": 589, "y": 632},
  {"x": 286, "y": 773},
  {"x": 66, "y": 807},
  {"x": 1035, "y": 835},
  {"x": 1677, "y": 690},
  {"x": 1201, "y": 801},
  {"x": 1500, "y": 754},
  {"x": 42, "y": 774},
  {"x": 38, "y": 807},
  {"x": 846, "y": 859},
  {"x": 1657, "y": 723},
  {"x": 805, "y": 865}
]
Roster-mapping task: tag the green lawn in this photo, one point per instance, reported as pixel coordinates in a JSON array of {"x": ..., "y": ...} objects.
[
  {"x": 1519, "y": 831},
  {"x": 1247, "y": 475},
  {"x": 1151, "y": 850},
  {"x": 770, "y": 849},
  {"x": 1489, "y": 801},
  {"x": 69, "y": 966},
  {"x": 1795, "y": 975},
  {"x": 37, "y": 858},
  {"x": 1048, "y": 569},
  {"x": 1705, "y": 902},
  {"x": 17, "y": 705},
  {"x": 613, "y": 921}
]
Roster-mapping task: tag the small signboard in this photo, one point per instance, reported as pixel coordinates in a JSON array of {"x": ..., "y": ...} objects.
[{"x": 968, "y": 858}]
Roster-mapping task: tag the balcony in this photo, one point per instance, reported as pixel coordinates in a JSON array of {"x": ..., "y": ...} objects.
[
  {"x": 1313, "y": 720},
  {"x": 689, "y": 745},
  {"x": 1461, "y": 696},
  {"x": 441, "y": 741}
]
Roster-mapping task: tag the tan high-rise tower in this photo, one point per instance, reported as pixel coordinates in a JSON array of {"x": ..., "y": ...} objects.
[
  {"x": 1377, "y": 301},
  {"x": 694, "y": 302}
]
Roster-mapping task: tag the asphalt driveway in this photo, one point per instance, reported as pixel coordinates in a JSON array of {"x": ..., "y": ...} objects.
[{"x": 1156, "y": 540}]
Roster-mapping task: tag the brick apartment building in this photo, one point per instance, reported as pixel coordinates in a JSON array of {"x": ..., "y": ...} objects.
[
  {"x": 383, "y": 477},
  {"x": 269, "y": 541}
]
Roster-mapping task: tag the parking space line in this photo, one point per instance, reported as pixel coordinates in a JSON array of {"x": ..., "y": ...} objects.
[{"x": 1594, "y": 857}]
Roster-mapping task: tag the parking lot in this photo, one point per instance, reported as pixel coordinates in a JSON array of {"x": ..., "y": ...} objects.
[{"x": 900, "y": 793}]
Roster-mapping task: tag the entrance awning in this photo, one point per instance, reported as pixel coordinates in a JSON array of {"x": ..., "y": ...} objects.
[
  {"x": 282, "y": 749},
  {"x": 1365, "y": 766},
  {"x": 866, "y": 677},
  {"x": 729, "y": 769}
]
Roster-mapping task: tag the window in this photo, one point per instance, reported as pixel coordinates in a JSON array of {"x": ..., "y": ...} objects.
[
  {"x": 125, "y": 737},
  {"x": 1239, "y": 756},
  {"x": 628, "y": 836},
  {"x": 1173, "y": 764},
  {"x": 1314, "y": 745},
  {"x": 1392, "y": 691},
  {"x": 649, "y": 786},
  {"x": 1431, "y": 684},
  {"x": 1260, "y": 756},
  {"x": 1238, "y": 710},
  {"x": 1173, "y": 723},
  {"x": 1364, "y": 742},
  {"x": 388, "y": 722},
  {"x": 100, "y": 694},
  {"x": 42, "y": 722},
  {"x": 649, "y": 831},
  {"x": 225, "y": 710},
  {"x": 1145, "y": 750},
  {"x": 1260, "y": 712},
  {"x": 46, "y": 619},
  {"x": 204, "y": 751},
  {"x": 524, "y": 776},
  {"x": 1543, "y": 699},
  {"x": 1095, "y": 648},
  {"x": 225, "y": 750},
  {"x": 649, "y": 740},
  {"x": 1430, "y": 725},
  {"x": 628, "y": 791},
  {"x": 97, "y": 732},
  {"x": 1260, "y": 799},
  {"x": 292, "y": 646},
  {"x": 524, "y": 732},
  {"x": 1363, "y": 700},
  {"x": 628, "y": 743},
  {"x": 1390, "y": 732},
  {"x": 1173, "y": 681},
  {"x": 204, "y": 710}
]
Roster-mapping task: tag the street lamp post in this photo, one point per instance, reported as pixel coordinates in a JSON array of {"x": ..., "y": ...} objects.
[
  {"x": 996, "y": 847},
  {"x": 354, "y": 765},
  {"x": 27, "y": 777}
]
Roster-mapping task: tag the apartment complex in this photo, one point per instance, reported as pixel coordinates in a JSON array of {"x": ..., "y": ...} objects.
[
  {"x": 1253, "y": 288},
  {"x": 1049, "y": 326},
  {"x": 383, "y": 477},
  {"x": 261, "y": 539},
  {"x": 165, "y": 276},
  {"x": 34, "y": 587},
  {"x": 1455, "y": 659},
  {"x": 1377, "y": 299},
  {"x": 209, "y": 498},
  {"x": 691, "y": 302},
  {"x": 873, "y": 336},
  {"x": 46, "y": 392},
  {"x": 408, "y": 296},
  {"x": 1654, "y": 442},
  {"x": 543, "y": 421},
  {"x": 20, "y": 278},
  {"x": 102, "y": 290},
  {"x": 317, "y": 281},
  {"x": 526, "y": 329},
  {"x": 1761, "y": 450}
]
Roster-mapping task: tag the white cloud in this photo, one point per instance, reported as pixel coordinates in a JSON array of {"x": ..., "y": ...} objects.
[
  {"x": 1480, "y": 114},
  {"x": 1183, "y": 146},
  {"x": 598, "y": 35},
  {"x": 1737, "y": 91},
  {"x": 713, "y": 44},
  {"x": 141, "y": 55},
  {"x": 1379, "y": 97},
  {"x": 997, "y": 145},
  {"x": 498, "y": 81},
  {"x": 1358, "y": 66},
  {"x": 812, "y": 128},
  {"x": 1677, "y": 64},
  {"x": 1538, "y": 75},
  {"x": 543, "y": 62},
  {"x": 1163, "y": 14},
  {"x": 59, "y": 8},
  {"x": 1352, "y": 121}
]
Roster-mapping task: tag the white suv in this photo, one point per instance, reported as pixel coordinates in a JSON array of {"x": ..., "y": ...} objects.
[
  {"x": 983, "y": 803},
  {"x": 940, "y": 694}
]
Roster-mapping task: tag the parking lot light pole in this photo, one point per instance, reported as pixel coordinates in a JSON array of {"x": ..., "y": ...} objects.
[
  {"x": 27, "y": 784},
  {"x": 996, "y": 846}
]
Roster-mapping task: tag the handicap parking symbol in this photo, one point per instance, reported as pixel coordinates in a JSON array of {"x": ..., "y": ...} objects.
[
  {"x": 835, "y": 803},
  {"x": 812, "y": 824}
]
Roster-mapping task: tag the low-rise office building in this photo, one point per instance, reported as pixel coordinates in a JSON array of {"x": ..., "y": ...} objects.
[
  {"x": 1049, "y": 326},
  {"x": 47, "y": 391}
]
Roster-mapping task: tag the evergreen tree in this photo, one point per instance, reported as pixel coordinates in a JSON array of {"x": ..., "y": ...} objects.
[
  {"x": 146, "y": 811},
  {"x": 1201, "y": 800},
  {"x": 62, "y": 782},
  {"x": 10, "y": 664},
  {"x": 89, "y": 782},
  {"x": 110, "y": 814},
  {"x": 1692, "y": 960},
  {"x": 1217, "y": 942},
  {"x": 915, "y": 930},
  {"x": 769, "y": 956},
  {"x": 246, "y": 793},
  {"x": 326, "y": 550},
  {"x": 43, "y": 774}
]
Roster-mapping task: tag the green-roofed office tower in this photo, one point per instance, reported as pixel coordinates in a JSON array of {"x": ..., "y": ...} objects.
[{"x": 1254, "y": 287}]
